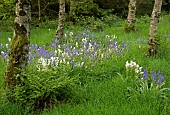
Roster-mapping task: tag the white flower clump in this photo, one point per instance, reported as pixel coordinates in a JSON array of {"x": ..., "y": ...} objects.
[
  {"x": 133, "y": 66},
  {"x": 53, "y": 62}
]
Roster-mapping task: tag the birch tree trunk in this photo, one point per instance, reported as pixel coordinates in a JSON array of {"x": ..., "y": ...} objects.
[
  {"x": 72, "y": 13},
  {"x": 131, "y": 15},
  {"x": 153, "y": 27},
  {"x": 19, "y": 47},
  {"x": 60, "y": 28}
]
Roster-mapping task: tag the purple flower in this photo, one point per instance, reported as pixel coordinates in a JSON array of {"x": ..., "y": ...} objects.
[
  {"x": 29, "y": 58},
  {"x": 53, "y": 44},
  {"x": 32, "y": 47},
  {"x": 51, "y": 54},
  {"x": 97, "y": 45},
  {"x": 161, "y": 78},
  {"x": 159, "y": 73},
  {"x": 116, "y": 43},
  {"x": 145, "y": 74},
  {"x": 153, "y": 75},
  {"x": 42, "y": 50}
]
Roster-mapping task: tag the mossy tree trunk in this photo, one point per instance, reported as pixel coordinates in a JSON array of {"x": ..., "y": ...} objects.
[
  {"x": 72, "y": 13},
  {"x": 131, "y": 16},
  {"x": 153, "y": 27},
  {"x": 19, "y": 47},
  {"x": 61, "y": 19}
]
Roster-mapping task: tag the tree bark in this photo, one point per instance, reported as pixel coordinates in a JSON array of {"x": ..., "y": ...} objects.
[
  {"x": 130, "y": 26},
  {"x": 19, "y": 47},
  {"x": 61, "y": 19},
  {"x": 153, "y": 27},
  {"x": 131, "y": 13}
]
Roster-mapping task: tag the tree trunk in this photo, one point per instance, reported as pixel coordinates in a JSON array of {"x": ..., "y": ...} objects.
[
  {"x": 131, "y": 15},
  {"x": 72, "y": 13},
  {"x": 19, "y": 47},
  {"x": 60, "y": 29},
  {"x": 153, "y": 27},
  {"x": 39, "y": 10}
]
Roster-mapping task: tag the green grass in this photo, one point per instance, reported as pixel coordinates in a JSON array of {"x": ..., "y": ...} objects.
[{"x": 107, "y": 96}]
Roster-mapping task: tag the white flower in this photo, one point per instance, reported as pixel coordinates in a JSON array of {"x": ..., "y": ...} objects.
[
  {"x": 9, "y": 39},
  {"x": 137, "y": 66},
  {"x": 107, "y": 36},
  {"x": 71, "y": 33},
  {"x": 114, "y": 36},
  {"x": 64, "y": 60},
  {"x": 59, "y": 51},
  {"x": 137, "y": 71},
  {"x": 7, "y": 45},
  {"x": 76, "y": 44},
  {"x": 82, "y": 63},
  {"x": 128, "y": 65},
  {"x": 2, "y": 52},
  {"x": 102, "y": 55},
  {"x": 44, "y": 63},
  {"x": 134, "y": 64},
  {"x": 84, "y": 40},
  {"x": 140, "y": 68}
]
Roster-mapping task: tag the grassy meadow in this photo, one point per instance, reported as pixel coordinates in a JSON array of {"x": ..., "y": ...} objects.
[{"x": 105, "y": 66}]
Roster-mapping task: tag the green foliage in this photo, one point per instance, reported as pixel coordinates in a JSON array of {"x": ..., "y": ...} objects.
[
  {"x": 130, "y": 28},
  {"x": 98, "y": 24},
  {"x": 88, "y": 8},
  {"x": 91, "y": 23},
  {"x": 163, "y": 46},
  {"x": 7, "y": 9},
  {"x": 111, "y": 20},
  {"x": 43, "y": 89}
]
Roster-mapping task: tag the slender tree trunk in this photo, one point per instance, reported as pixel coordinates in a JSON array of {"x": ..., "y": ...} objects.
[
  {"x": 72, "y": 13},
  {"x": 131, "y": 15},
  {"x": 39, "y": 10},
  {"x": 60, "y": 29},
  {"x": 19, "y": 47},
  {"x": 153, "y": 27}
]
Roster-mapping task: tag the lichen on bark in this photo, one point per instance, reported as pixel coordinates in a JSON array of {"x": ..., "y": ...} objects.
[
  {"x": 152, "y": 40},
  {"x": 61, "y": 19},
  {"x": 19, "y": 46},
  {"x": 131, "y": 16}
]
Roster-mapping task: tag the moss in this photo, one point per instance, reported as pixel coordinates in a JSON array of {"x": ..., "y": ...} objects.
[{"x": 18, "y": 56}]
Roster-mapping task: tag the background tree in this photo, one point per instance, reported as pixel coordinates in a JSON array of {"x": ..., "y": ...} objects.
[
  {"x": 60, "y": 28},
  {"x": 153, "y": 27},
  {"x": 39, "y": 10},
  {"x": 19, "y": 47},
  {"x": 131, "y": 16},
  {"x": 72, "y": 13}
]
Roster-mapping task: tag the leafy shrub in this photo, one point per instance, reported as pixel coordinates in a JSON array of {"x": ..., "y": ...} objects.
[
  {"x": 42, "y": 89},
  {"x": 91, "y": 23},
  {"x": 112, "y": 20},
  {"x": 7, "y": 8}
]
